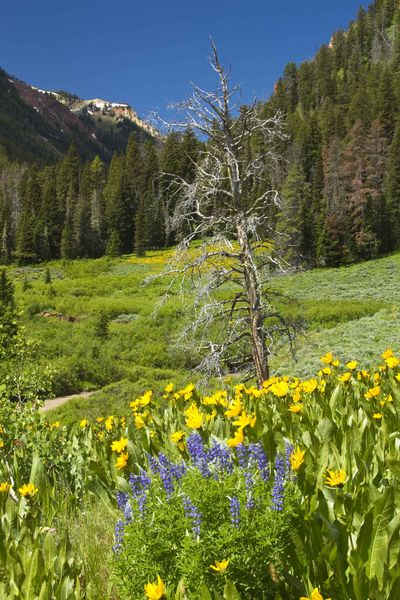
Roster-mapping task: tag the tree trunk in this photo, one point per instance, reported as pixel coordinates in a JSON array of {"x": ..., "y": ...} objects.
[{"x": 260, "y": 352}]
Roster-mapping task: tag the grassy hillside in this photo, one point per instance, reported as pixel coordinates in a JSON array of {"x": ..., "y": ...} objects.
[{"x": 352, "y": 310}]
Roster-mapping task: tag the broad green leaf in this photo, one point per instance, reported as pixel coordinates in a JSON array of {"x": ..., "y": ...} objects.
[
  {"x": 230, "y": 592},
  {"x": 383, "y": 513}
]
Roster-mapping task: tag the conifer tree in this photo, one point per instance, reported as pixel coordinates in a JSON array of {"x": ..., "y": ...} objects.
[
  {"x": 114, "y": 201},
  {"x": 113, "y": 248},
  {"x": 294, "y": 222},
  {"x": 141, "y": 230},
  {"x": 393, "y": 190}
]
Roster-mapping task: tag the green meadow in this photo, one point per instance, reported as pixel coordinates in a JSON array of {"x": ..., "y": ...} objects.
[{"x": 352, "y": 310}]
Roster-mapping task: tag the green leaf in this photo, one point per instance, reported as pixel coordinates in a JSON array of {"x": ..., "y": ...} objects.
[
  {"x": 383, "y": 513},
  {"x": 230, "y": 592},
  {"x": 49, "y": 551},
  {"x": 204, "y": 593},
  {"x": 28, "y": 587}
]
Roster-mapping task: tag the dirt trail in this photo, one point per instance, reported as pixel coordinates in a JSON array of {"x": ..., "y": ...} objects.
[{"x": 55, "y": 402}]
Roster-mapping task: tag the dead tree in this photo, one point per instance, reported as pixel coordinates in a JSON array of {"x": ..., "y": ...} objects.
[{"x": 229, "y": 207}]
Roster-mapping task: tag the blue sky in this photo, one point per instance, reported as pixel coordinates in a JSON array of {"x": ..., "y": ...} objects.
[{"x": 146, "y": 53}]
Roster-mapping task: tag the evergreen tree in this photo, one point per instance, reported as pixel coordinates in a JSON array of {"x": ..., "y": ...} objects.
[
  {"x": 114, "y": 248},
  {"x": 47, "y": 276},
  {"x": 114, "y": 200},
  {"x": 141, "y": 230},
  {"x": 6, "y": 291},
  {"x": 294, "y": 221},
  {"x": 393, "y": 191},
  {"x": 133, "y": 188}
]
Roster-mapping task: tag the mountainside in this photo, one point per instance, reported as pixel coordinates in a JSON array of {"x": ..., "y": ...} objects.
[
  {"x": 339, "y": 180},
  {"x": 38, "y": 126},
  {"x": 342, "y": 189}
]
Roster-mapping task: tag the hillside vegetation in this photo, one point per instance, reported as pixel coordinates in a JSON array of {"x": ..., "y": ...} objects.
[{"x": 354, "y": 310}]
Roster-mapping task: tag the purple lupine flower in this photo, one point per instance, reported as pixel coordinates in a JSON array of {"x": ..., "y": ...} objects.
[
  {"x": 122, "y": 499},
  {"x": 164, "y": 461},
  {"x": 128, "y": 515},
  {"x": 145, "y": 480},
  {"x": 198, "y": 454},
  {"x": 279, "y": 483},
  {"x": 139, "y": 482},
  {"x": 167, "y": 481},
  {"x": 154, "y": 464},
  {"x": 178, "y": 470},
  {"x": 192, "y": 513},
  {"x": 258, "y": 456},
  {"x": 234, "y": 509},
  {"x": 141, "y": 500},
  {"x": 118, "y": 536},
  {"x": 242, "y": 455},
  {"x": 220, "y": 455}
]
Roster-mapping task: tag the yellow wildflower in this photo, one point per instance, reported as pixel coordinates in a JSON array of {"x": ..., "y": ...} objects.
[
  {"x": 373, "y": 392},
  {"x": 135, "y": 405},
  {"x": 235, "y": 408},
  {"x": 155, "y": 591},
  {"x": 55, "y": 425},
  {"x": 322, "y": 385},
  {"x": 83, "y": 423},
  {"x": 146, "y": 398},
  {"x": 329, "y": 360},
  {"x": 168, "y": 388},
  {"x": 100, "y": 435},
  {"x": 5, "y": 487},
  {"x": 194, "y": 418},
  {"x": 335, "y": 478},
  {"x": 326, "y": 371},
  {"x": 296, "y": 408},
  {"x": 345, "y": 377},
  {"x": 296, "y": 395},
  {"x": 245, "y": 420},
  {"x": 211, "y": 416},
  {"x": 1, "y": 444},
  {"x": 139, "y": 422},
  {"x": 377, "y": 416},
  {"x": 99, "y": 419},
  {"x": 362, "y": 375},
  {"x": 297, "y": 458},
  {"x": 119, "y": 445},
  {"x": 352, "y": 365},
  {"x": 279, "y": 389},
  {"x": 209, "y": 400},
  {"x": 237, "y": 439},
  {"x": 28, "y": 489},
  {"x": 122, "y": 460},
  {"x": 177, "y": 437},
  {"x": 109, "y": 423},
  {"x": 220, "y": 566},
  {"x": 392, "y": 362},
  {"x": 387, "y": 354},
  {"x": 187, "y": 392},
  {"x": 309, "y": 386}
]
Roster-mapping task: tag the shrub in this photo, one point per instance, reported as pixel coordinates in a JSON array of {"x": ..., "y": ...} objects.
[{"x": 183, "y": 518}]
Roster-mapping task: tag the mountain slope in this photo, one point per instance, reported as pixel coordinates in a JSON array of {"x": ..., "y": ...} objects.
[
  {"x": 38, "y": 126},
  {"x": 342, "y": 188}
]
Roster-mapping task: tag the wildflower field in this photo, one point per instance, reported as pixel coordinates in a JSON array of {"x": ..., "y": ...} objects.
[
  {"x": 354, "y": 310},
  {"x": 286, "y": 492}
]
